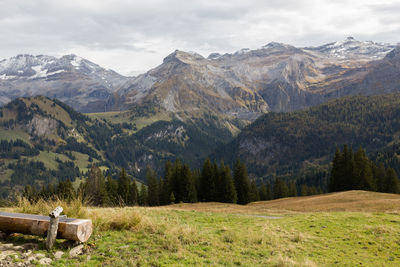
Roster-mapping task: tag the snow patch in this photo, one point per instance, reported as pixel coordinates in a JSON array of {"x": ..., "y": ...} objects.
[
  {"x": 5, "y": 77},
  {"x": 76, "y": 62}
]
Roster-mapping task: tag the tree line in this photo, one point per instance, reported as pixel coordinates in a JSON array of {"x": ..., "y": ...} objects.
[
  {"x": 355, "y": 171},
  {"x": 213, "y": 183}
]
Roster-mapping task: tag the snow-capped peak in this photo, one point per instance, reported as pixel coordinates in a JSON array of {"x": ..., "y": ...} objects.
[
  {"x": 351, "y": 47},
  {"x": 272, "y": 45}
]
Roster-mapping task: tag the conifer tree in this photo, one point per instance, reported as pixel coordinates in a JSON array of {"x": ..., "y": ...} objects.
[
  {"x": 242, "y": 183},
  {"x": 167, "y": 184},
  {"x": 280, "y": 189},
  {"x": 176, "y": 177},
  {"x": 270, "y": 195},
  {"x": 112, "y": 190},
  {"x": 226, "y": 192},
  {"x": 95, "y": 188},
  {"x": 152, "y": 184},
  {"x": 123, "y": 188},
  {"x": 336, "y": 176},
  {"x": 65, "y": 190},
  {"x": 143, "y": 196},
  {"x": 292, "y": 189},
  {"x": 362, "y": 172},
  {"x": 189, "y": 190},
  {"x": 305, "y": 191},
  {"x": 392, "y": 182},
  {"x": 207, "y": 182},
  {"x": 379, "y": 173},
  {"x": 262, "y": 191},
  {"x": 133, "y": 193},
  {"x": 254, "y": 196}
]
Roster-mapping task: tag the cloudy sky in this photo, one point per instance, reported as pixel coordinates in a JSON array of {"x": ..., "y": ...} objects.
[{"x": 133, "y": 36}]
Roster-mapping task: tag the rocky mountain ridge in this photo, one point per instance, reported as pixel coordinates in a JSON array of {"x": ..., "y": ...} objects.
[
  {"x": 240, "y": 85},
  {"x": 248, "y": 83},
  {"x": 76, "y": 81}
]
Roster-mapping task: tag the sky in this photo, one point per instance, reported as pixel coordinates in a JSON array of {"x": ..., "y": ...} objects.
[{"x": 131, "y": 36}]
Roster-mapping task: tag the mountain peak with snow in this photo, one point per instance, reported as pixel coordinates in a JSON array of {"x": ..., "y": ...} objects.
[{"x": 352, "y": 48}]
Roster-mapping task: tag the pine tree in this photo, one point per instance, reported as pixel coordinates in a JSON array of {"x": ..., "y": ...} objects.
[
  {"x": 112, "y": 191},
  {"x": 167, "y": 184},
  {"x": 172, "y": 198},
  {"x": 207, "y": 182},
  {"x": 292, "y": 189},
  {"x": 380, "y": 177},
  {"x": 95, "y": 188},
  {"x": 280, "y": 189},
  {"x": 123, "y": 188},
  {"x": 336, "y": 173},
  {"x": 270, "y": 195},
  {"x": 143, "y": 196},
  {"x": 305, "y": 191},
  {"x": 347, "y": 164},
  {"x": 133, "y": 193},
  {"x": 362, "y": 172},
  {"x": 152, "y": 184},
  {"x": 227, "y": 192},
  {"x": 242, "y": 183},
  {"x": 392, "y": 182},
  {"x": 65, "y": 190},
  {"x": 254, "y": 196},
  {"x": 262, "y": 191},
  {"x": 176, "y": 177}
]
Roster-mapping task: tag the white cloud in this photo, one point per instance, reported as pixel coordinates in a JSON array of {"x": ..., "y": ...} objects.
[{"x": 133, "y": 36}]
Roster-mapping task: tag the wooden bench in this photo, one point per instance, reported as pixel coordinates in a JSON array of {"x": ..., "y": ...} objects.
[{"x": 66, "y": 228}]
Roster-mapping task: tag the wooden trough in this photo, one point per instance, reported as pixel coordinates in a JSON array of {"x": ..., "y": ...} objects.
[{"x": 68, "y": 228}]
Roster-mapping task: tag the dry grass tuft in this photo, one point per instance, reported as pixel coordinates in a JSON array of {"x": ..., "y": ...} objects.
[
  {"x": 282, "y": 261},
  {"x": 73, "y": 209},
  {"x": 116, "y": 219}
]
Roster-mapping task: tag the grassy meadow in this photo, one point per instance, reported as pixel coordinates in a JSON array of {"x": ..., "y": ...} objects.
[{"x": 351, "y": 231}]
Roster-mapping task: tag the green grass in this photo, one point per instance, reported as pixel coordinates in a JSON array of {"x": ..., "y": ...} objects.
[
  {"x": 14, "y": 135},
  {"x": 161, "y": 237},
  {"x": 185, "y": 238},
  {"x": 49, "y": 159},
  {"x": 233, "y": 236},
  {"x": 125, "y": 116}
]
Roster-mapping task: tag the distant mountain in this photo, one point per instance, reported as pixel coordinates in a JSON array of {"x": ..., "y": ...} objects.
[
  {"x": 288, "y": 144},
  {"x": 350, "y": 49},
  {"x": 235, "y": 88},
  {"x": 76, "y": 81},
  {"x": 248, "y": 83}
]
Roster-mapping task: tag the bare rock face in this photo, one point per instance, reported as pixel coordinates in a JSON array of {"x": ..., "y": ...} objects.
[{"x": 42, "y": 126}]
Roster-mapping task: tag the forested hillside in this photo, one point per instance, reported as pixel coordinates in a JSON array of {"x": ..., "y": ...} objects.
[
  {"x": 298, "y": 142},
  {"x": 45, "y": 141}
]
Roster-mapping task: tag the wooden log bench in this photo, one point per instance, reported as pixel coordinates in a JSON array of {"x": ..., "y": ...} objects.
[{"x": 66, "y": 228}]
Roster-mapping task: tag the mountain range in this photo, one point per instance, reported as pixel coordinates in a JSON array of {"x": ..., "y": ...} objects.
[
  {"x": 241, "y": 85},
  {"x": 77, "y": 82},
  {"x": 273, "y": 107}
]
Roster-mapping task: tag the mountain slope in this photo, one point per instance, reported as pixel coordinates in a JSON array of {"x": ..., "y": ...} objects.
[
  {"x": 76, "y": 81},
  {"x": 287, "y": 143},
  {"x": 44, "y": 140},
  {"x": 248, "y": 83}
]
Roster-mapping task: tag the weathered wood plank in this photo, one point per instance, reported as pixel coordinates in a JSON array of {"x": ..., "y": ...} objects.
[
  {"x": 68, "y": 228},
  {"x": 53, "y": 227}
]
